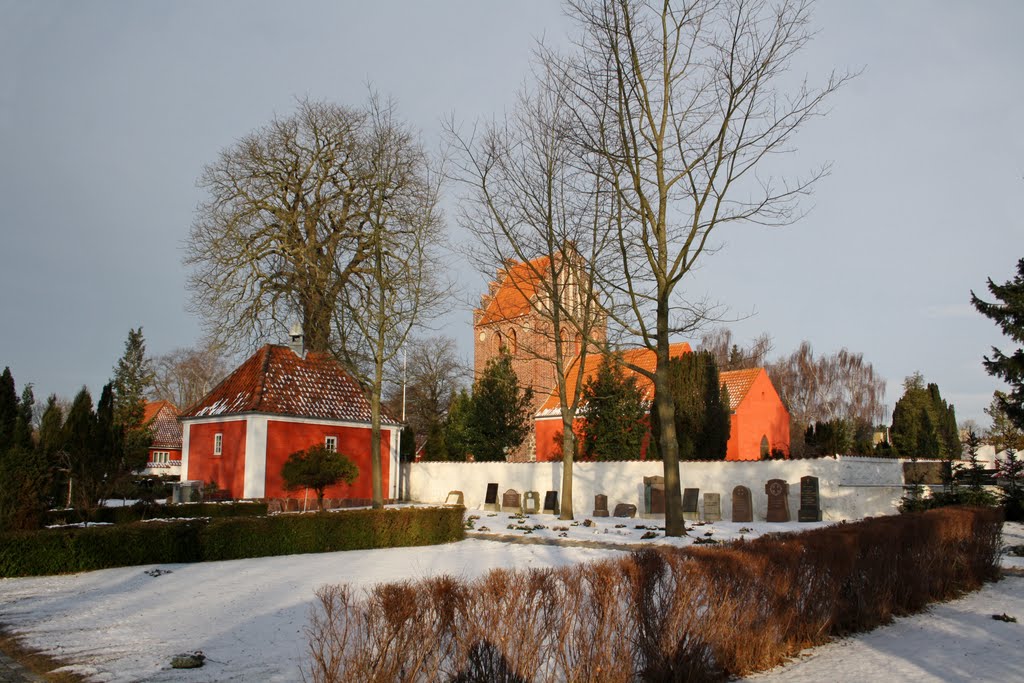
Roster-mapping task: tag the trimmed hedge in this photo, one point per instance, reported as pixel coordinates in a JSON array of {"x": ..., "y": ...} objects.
[
  {"x": 78, "y": 549},
  {"x": 140, "y": 511},
  {"x": 659, "y": 614}
]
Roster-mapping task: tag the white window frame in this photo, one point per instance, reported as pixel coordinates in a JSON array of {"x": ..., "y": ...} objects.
[
  {"x": 331, "y": 443},
  {"x": 218, "y": 443}
]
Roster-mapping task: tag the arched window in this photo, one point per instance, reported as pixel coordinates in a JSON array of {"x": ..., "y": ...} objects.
[
  {"x": 501, "y": 340},
  {"x": 765, "y": 448},
  {"x": 513, "y": 344},
  {"x": 579, "y": 344}
]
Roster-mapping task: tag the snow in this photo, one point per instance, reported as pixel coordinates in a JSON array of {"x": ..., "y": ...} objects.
[{"x": 249, "y": 616}]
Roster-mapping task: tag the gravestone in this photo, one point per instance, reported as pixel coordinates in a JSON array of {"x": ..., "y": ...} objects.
[
  {"x": 810, "y": 500},
  {"x": 624, "y": 510},
  {"x": 742, "y": 508},
  {"x": 531, "y": 503},
  {"x": 454, "y": 498},
  {"x": 690, "y": 498},
  {"x": 600, "y": 506},
  {"x": 712, "y": 507},
  {"x": 510, "y": 501},
  {"x": 778, "y": 500},
  {"x": 491, "y": 500},
  {"x": 652, "y": 484},
  {"x": 551, "y": 503}
]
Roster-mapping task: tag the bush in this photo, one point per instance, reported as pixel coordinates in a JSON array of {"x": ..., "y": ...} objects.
[
  {"x": 140, "y": 511},
  {"x": 659, "y": 614},
  {"x": 75, "y": 549}
]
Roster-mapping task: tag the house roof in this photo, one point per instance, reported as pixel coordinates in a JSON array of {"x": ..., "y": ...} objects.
[
  {"x": 276, "y": 380},
  {"x": 517, "y": 284},
  {"x": 165, "y": 425},
  {"x": 738, "y": 382},
  {"x": 643, "y": 358}
]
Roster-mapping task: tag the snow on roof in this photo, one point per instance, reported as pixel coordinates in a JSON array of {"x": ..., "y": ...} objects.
[
  {"x": 276, "y": 380},
  {"x": 163, "y": 419}
]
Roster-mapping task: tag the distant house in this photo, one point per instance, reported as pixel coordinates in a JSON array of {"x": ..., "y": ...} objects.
[
  {"x": 758, "y": 421},
  {"x": 279, "y": 401},
  {"x": 165, "y": 450}
]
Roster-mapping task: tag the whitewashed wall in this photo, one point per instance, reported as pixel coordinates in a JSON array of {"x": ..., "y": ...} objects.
[{"x": 850, "y": 487}]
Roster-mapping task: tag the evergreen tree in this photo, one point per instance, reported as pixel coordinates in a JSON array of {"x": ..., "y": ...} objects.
[
  {"x": 23, "y": 422},
  {"x": 923, "y": 424},
  {"x": 317, "y": 468},
  {"x": 973, "y": 474},
  {"x": 455, "y": 442},
  {"x": 51, "y": 438},
  {"x": 613, "y": 407},
  {"x": 133, "y": 375},
  {"x": 702, "y": 407},
  {"x": 1003, "y": 434},
  {"x": 24, "y": 488},
  {"x": 1008, "y": 313},
  {"x": 407, "y": 453},
  {"x": 499, "y": 418},
  {"x": 80, "y": 449},
  {"x": 1011, "y": 472},
  {"x": 8, "y": 409}
]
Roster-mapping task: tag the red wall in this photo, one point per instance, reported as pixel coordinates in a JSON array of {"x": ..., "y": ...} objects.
[
  {"x": 284, "y": 438},
  {"x": 760, "y": 414},
  {"x": 227, "y": 469}
]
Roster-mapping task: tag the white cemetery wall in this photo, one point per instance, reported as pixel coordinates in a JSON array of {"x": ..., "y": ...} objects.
[{"x": 850, "y": 487}]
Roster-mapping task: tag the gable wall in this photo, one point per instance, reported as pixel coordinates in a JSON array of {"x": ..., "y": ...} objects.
[
  {"x": 227, "y": 469},
  {"x": 761, "y": 413}
]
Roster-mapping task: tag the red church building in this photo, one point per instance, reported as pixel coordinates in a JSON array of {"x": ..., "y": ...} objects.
[{"x": 279, "y": 401}]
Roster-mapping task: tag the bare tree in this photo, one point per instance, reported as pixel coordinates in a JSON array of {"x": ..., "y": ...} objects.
[
  {"x": 185, "y": 375},
  {"x": 399, "y": 283},
  {"x": 731, "y": 356},
  {"x": 285, "y": 227},
  {"x": 537, "y": 204},
  {"x": 681, "y": 100}
]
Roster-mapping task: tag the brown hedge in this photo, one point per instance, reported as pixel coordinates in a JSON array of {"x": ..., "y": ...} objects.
[{"x": 707, "y": 613}]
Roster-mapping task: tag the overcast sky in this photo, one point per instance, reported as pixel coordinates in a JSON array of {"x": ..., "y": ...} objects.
[{"x": 109, "y": 110}]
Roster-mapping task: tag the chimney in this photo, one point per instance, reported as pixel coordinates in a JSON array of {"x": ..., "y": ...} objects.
[{"x": 297, "y": 343}]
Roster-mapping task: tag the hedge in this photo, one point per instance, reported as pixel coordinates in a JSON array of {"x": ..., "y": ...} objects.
[
  {"x": 140, "y": 511},
  {"x": 77, "y": 549},
  {"x": 707, "y": 613}
]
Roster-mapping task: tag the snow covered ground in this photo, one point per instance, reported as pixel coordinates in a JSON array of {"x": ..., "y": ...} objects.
[{"x": 248, "y": 616}]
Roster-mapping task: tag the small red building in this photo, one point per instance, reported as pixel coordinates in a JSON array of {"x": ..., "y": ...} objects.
[
  {"x": 279, "y": 401},
  {"x": 165, "y": 450}
]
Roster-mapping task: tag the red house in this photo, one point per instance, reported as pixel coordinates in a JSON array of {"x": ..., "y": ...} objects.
[
  {"x": 165, "y": 450},
  {"x": 759, "y": 421},
  {"x": 279, "y": 401}
]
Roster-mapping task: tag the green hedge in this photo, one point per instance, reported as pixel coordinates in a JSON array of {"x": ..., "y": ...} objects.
[
  {"x": 140, "y": 511},
  {"x": 77, "y": 549}
]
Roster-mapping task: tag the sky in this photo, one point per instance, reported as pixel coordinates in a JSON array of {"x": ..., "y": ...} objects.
[{"x": 109, "y": 111}]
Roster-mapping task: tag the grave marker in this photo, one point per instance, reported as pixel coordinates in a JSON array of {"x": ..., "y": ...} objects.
[
  {"x": 778, "y": 500},
  {"x": 650, "y": 485},
  {"x": 810, "y": 500},
  {"x": 551, "y": 503},
  {"x": 624, "y": 510},
  {"x": 712, "y": 507},
  {"x": 491, "y": 499},
  {"x": 690, "y": 498},
  {"x": 531, "y": 503},
  {"x": 600, "y": 506},
  {"x": 742, "y": 508},
  {"x": 510, "y": 502},
  {"x": 454, "y": 498}
]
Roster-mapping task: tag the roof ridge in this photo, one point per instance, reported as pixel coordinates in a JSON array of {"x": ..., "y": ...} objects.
[{"x": 262, "y": 379}]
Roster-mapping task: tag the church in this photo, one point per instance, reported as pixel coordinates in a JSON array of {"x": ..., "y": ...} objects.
[{"x": 513, "y": 316}]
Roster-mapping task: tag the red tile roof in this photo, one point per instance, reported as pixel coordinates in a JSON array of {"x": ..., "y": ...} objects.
[
  {"x": 278, "y": 381},
  {"x": 643, "y": 358},
  {"x": 738, "y": 382},
  {"x": 517, "y": 285},
  {"x": 165, "y": 425}
]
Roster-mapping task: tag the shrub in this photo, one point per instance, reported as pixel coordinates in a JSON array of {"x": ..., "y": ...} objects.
[
  {"x": 659, "y": 614},
  {"x": 140, "y": 511},
  {"x": 75, "y": 549}
]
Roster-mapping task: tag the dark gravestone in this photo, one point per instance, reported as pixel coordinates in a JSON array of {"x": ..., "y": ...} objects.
[
  {"x": 713, "y": 507},
  {"x": 531, "y": 503},
  {"x": 624, "y": 510},
  {"x": 690, "y": 498},
  {"x": 742, "y": 509},
  {"x": 600, "y": 506},
  {"x": 454, "y": 498},
  {"x": 650, "y": 485},
  {"x": 551, "y": 503},
  {"x": 810, "y": 501},
  {"x": 510, "y": 501},
  {"x": 778, "y": 500},
  {"x": 657, "y": 501},
  {"x": 491, "y": 501}
]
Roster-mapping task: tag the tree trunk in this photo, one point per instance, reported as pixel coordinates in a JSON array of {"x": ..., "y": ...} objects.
[
  {"x": 376, "y": 470},
  {"x": 674, "y": 523},
  {"x": 568, "y": 453}
]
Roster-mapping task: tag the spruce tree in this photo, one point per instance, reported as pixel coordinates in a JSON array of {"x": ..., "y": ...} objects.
[
  {"x": 923, "y": 424},
  {"x": 133, "y": 376},
  {"x": 8, "y": 409},
  {"x": 613, "y": 407},
  {"x": 499, "y": 418},
  {"x": 455, "y": 442},
  {"x": 1008, "y": 313},
  {"x": 702, "y": 407},
  {"x": 23, "y": 423},
  {"x": 80, "y": 447}
]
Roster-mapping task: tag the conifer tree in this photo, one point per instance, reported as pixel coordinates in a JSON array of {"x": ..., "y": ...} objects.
[
  {"x": 454, "y": 443},
  {"x": 923, "y": 424},
  {"x": 1008, "y": 313},
  {"x": 701, "y": 407},
  {"x": 614, "y": 412},
  {"x": 499, "y": 418},
  {"x": 8, "y": 409},
  {"x": 23, "y": 422},
  {"x": 133, "y": 375}
]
